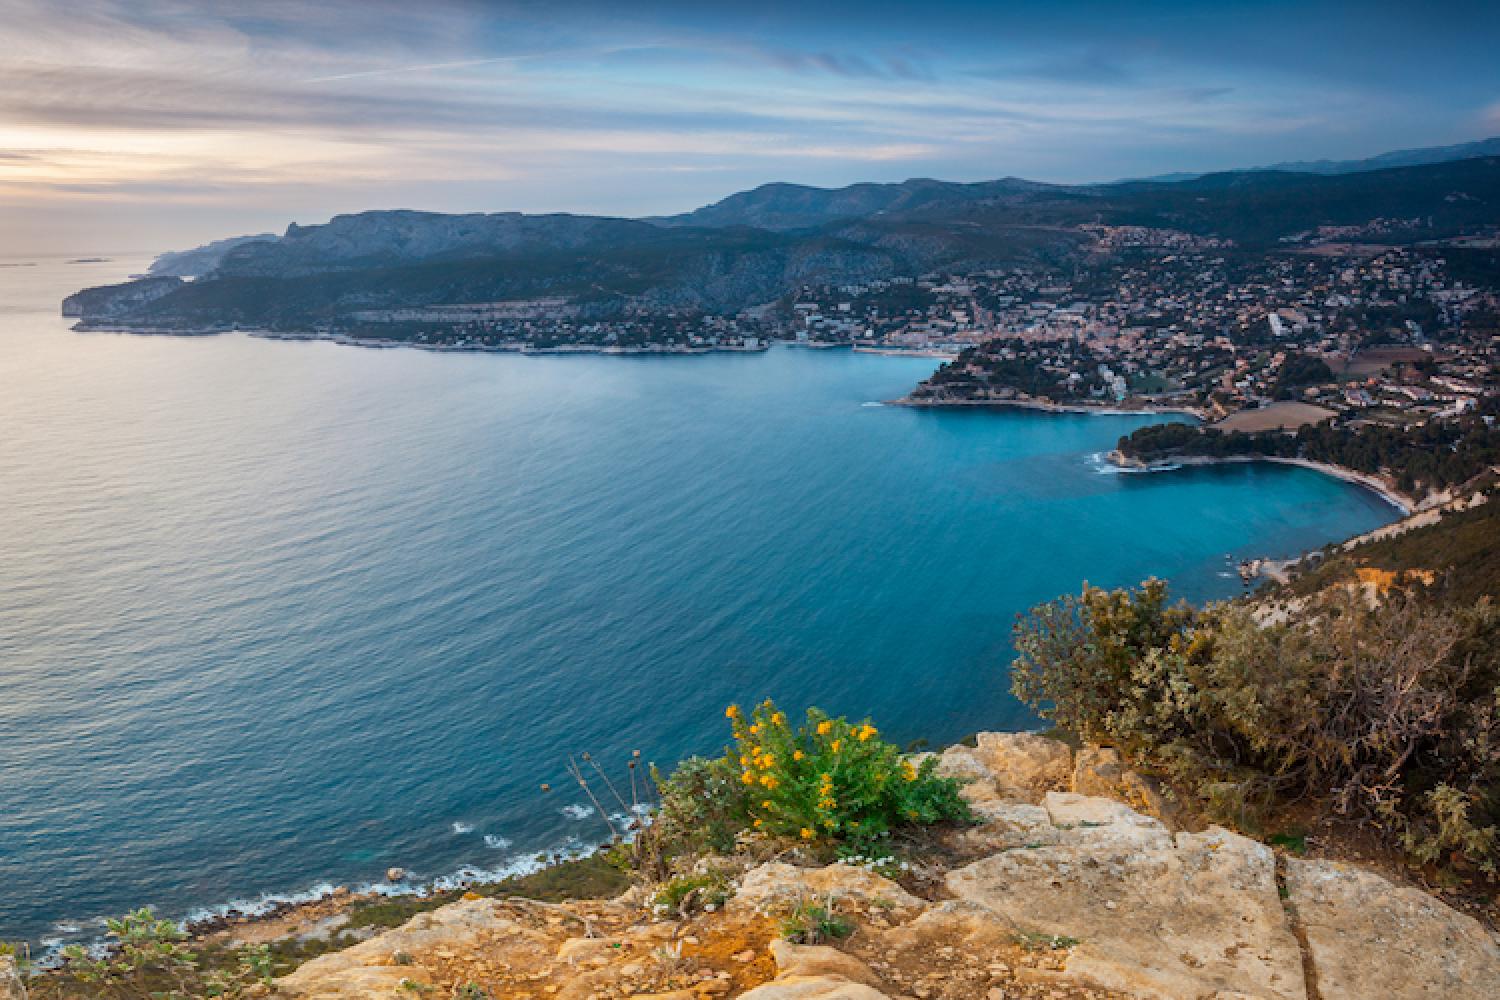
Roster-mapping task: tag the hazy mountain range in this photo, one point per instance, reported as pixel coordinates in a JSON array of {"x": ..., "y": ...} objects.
[
  {"x": 756, "y": 246},
  {"x": 1398, "y": 158}
]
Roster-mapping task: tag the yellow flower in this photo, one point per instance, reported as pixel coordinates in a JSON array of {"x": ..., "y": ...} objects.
[
  {"x": 798, "y": 755},
  {"x": 755, "y": 728},
  {"x": 769, "y": 780},
  {"x": 766, "y": 804},
  {"x": 744, "y": 760},
  {"x": 807, "y": 834},
  {"x": 732, "y": 712},
  {"x": 748, "y": 778},
  {"x": 778, "y": 719},
  {"x": 835, "y": 745},
  {"x": 908, "y": 770},
  {"x": 825, "y": 727},
  {"x": 758, "y": 824},
  {"x": 768, "y": 762},
  {"x": 866, "y": 732}
]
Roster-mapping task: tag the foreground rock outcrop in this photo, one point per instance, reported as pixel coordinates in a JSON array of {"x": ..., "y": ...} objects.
[{"x": 1059, "y": 893}]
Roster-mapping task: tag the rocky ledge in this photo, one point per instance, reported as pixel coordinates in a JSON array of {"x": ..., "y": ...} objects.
[{"x": 1074, "y": 885}]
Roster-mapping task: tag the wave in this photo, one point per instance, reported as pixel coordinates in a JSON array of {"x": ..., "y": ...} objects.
[
  {"x": 462, "y": 828},
  {"x": 90, "y": 933},
  {"x": 578, "y": 812}
]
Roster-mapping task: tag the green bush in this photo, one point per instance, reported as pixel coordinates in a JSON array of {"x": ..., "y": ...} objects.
[
  {"x": 1388, "y": 714},
  {"x": 827, "y": 781}
]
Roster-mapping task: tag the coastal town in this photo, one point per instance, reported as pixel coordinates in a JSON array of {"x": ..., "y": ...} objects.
[
  {"x": 1382, "y": 334},
  {"x": 1327, "y": 324}
]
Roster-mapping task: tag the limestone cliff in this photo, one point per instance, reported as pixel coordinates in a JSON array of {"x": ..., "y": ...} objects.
[{"x": 1072, "y": 886}]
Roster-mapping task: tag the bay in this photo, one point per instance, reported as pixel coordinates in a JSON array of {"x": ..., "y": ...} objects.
[{"x": 281, "y": 614}]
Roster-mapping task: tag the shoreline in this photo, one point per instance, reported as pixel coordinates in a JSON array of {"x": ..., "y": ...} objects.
[
  {"x": 379, "y": 343},
  {"x": 1041, "y": 406},
  {"x": 1407, "y": 505}
]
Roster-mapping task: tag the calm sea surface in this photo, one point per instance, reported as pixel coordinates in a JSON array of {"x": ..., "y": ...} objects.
[{"x": 281, "y": 614}]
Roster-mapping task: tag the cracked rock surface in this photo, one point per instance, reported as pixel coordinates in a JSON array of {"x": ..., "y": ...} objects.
[{"x": 1070, "y": 895}]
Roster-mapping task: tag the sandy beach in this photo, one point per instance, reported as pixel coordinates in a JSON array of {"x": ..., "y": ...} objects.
[{"x": 1401, "y": 501}]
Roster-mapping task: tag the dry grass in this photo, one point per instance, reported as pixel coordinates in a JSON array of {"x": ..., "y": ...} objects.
[{"x": 1284, "y": 416}]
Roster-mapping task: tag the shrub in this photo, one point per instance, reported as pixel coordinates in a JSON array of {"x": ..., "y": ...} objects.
[
  {"x": 1389, "y": 714},
  {"x": 831, "y": 780},
  {"x": 703, "y": 807},
  {"x": 828, "y": 781}
]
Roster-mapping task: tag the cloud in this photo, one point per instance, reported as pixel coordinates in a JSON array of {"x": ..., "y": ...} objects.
[
  {"x": 1090, "y": 67},
  {"x": 1489, "y": 119}
]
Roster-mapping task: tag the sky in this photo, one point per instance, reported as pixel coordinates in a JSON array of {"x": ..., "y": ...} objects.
[{"x": 146, "y": 125}]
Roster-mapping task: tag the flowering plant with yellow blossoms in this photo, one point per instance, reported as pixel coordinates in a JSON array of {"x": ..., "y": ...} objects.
[{"x": 832, "y": 780}]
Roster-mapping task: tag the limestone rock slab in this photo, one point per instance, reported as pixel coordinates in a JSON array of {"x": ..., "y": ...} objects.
[
  {"x": 1190, "y": 916},
  {"x": 1369, "y": 938}
]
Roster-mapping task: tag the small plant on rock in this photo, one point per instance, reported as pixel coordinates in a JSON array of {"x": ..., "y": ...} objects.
[
  {"x": 686, "y": 893},
  {"x": 811, "y": 922}
]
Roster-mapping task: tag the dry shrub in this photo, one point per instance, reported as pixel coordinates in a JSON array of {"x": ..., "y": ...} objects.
[{"x": 1386, "y": 714}]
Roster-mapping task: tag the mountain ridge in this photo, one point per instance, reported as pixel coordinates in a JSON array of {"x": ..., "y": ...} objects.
[{"x": 319, "y": 275}]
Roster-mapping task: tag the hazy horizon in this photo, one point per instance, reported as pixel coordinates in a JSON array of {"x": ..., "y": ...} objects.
[{"x": 163, "y": 124}]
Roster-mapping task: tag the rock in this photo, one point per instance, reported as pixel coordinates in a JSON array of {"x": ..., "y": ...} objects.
[
  {"x": 1369, "y": 938},
  {"x": 1196, "y": 915},
  {"x": 11, "y": 987},
  {"x": 587, "y": 951},
  {"x": 395, "y": 874},
  {"x": 952, "y": 922},
  {"x": 1005, "y": 825},
  {"x": 1026, "y": 766},
  {"x": 820, "y": 960},
  {"x": 748, "y": 955},
  {"x": 813, "y": 988},
  {"x": 466, "y": 926},
  {"x": 1102, "y": 771},
  {"x": 776, "y": 886},
  {"x": 1084, "y": 819}
]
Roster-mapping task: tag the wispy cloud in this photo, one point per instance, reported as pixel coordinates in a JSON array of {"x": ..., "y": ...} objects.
[{"x": 499, "y": 104}]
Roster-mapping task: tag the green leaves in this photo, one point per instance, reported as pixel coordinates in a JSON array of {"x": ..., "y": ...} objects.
[{"x": 832, "y": 780}]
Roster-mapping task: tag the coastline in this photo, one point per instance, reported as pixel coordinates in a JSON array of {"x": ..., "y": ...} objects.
[
  {"x": 379, "y": 343},
  {"x": 1042, "y": 406},
  {"x": 1401, "y": 501}
]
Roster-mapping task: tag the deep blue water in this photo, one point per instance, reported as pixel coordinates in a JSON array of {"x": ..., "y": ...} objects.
[{"x": 274, "y": 614}]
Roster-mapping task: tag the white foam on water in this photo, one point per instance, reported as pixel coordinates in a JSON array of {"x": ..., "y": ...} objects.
[
  {"x": 578, "y": 812},
  {"x": 462, "y": 828},
  {"x": 496, "y": 842}
]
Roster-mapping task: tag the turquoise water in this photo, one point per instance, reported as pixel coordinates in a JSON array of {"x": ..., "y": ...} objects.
[{"x": 273, "y": 614}]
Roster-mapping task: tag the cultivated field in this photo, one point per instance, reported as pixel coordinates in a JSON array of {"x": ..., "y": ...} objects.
[{"x": 1277, "y": 416}]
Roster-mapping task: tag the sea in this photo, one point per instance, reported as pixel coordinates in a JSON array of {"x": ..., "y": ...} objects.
[{"x": 277, "y": 616}]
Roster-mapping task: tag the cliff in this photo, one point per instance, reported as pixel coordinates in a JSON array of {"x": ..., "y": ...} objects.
[{"x": 1076, "y": 883}]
